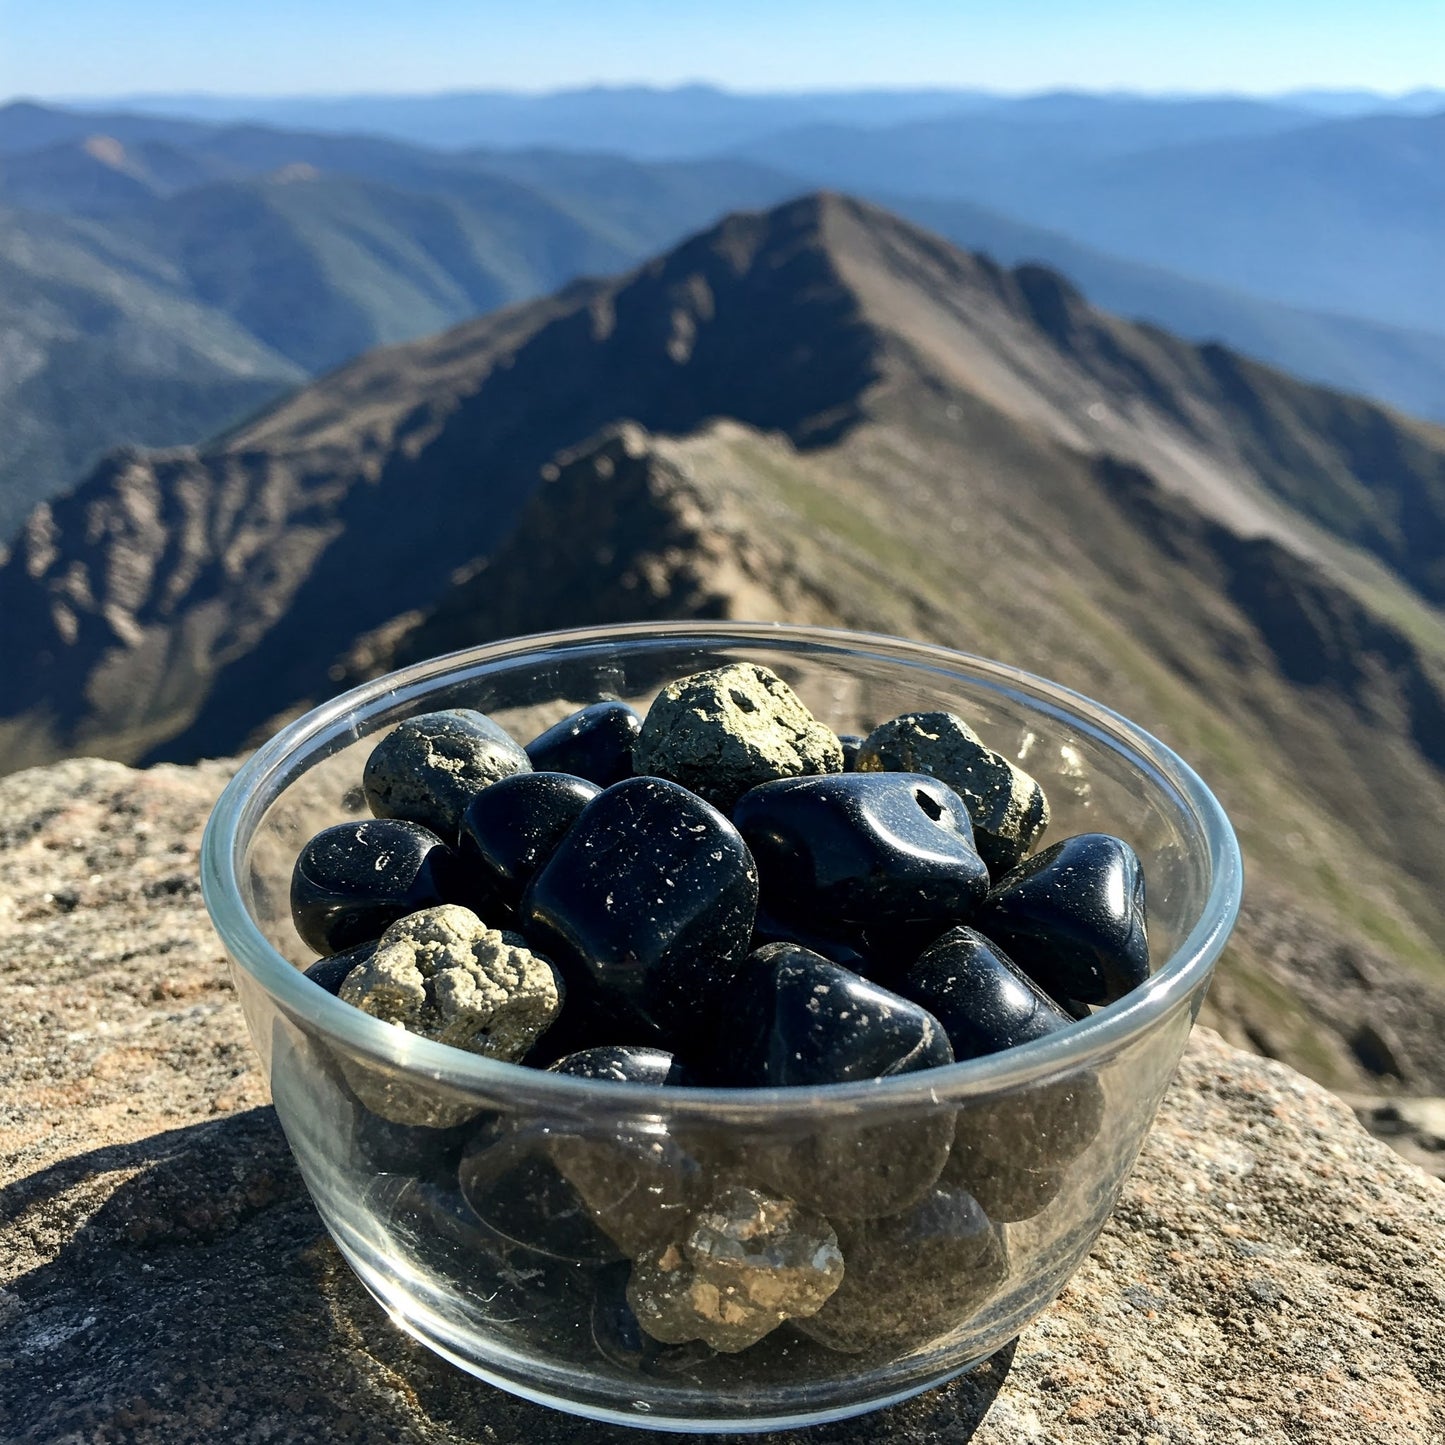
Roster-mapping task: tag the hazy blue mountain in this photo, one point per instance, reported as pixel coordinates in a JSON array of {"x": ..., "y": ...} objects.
[
  {"x": 1085, "y": 123},
  {"x": 101, "y": 343},
  {"x": 1422, "y": 101},
  {"x": 95, "y": 170},
  {"x": 320, "y": 267},
  {"x": 1348, "y": 215},
  {"x": 657, "y": 123},
  {"x": 1011, "y": 155},
  {"x": 642, "y": 121},
  {"x": 631, "y": 202},
  {"x": 26, "y": 125},
  {"x": 1343, "y": 215},
  {"x": 206, "y": 267},
  {"x": 98, "y": 173}
]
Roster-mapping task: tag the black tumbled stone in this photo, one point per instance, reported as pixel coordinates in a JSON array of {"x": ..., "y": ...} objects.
[
  {"x": 429, "y": 767},
  {"x": 638, "y": 1179},
  {"x": 330, "y": 973},
  {"x": 1072, "y": 918},
  {"x": 647, "y": 907},
  {"x": 1007, "y": 806},
  {"x": 352, "y": 880},
  {"x": 503, "y": 1281},
  {"x": 1005, "y": 1192},
  {"x": 387, "y": 1147},
  {"x": 767, "y": 929},
  {"x": 911, "y": 1277},
  {"x": 595, "y": 744},
  {"x": 883, "y": 860},
  {"x": 623, "y": 1064},
  {"x": 983, "y": 1002},
  {"x": 508, "y": 1179},
  {"x": 639, "y": 1182},
  {"x": 510, "y": 830},
  {"x": 1039, "y": 1128},
  {"x": 797, "y": 1019}
]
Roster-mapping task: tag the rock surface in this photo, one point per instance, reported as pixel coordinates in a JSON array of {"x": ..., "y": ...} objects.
[{"x": 1272, "y": 1273}]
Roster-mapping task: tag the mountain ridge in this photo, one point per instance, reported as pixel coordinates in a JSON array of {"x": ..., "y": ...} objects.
[
  {"x": 820, "y": 413},
  {"x": 253, "y": 241},
  {"x": 883, "y": 320}
]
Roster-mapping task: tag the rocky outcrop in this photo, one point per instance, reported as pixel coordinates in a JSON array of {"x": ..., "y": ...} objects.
[
  {"x": 1272, "y": 1273},
  {"x": 618, "y": 530}
]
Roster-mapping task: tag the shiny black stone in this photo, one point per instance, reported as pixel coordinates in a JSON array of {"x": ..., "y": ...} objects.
[
  {"x": 1072, "y": 918},
  {"x": 352, "y": 880},
  {"x": 311, "y": 1093},
  {"x": 850, "y": 742},
  {"x": 794, "y": 1018},
  {"x": 508, "y": 1179},
  {"x": 639, "y": 1183},
  {"x": 391, "y": 1148},
  {"x": 983, "y": 1002},
  {"x": 767, "y": 929},
  {"x": 1006, "y": 1193},
  {"x": 912, "y": 1276},
  {"x": 878, "y": 859},
  {"x": 509, "y": 830},
  {"x": 504, "y": 1281},
  {"x": 595, "y": 744},
  {"x": 429, "y": 767},
  {"x": 1039, "y": 1128},
  {"x": 639, "y": 1180},
  {"x": 647, "y": 908},
  {"x": 331, "y": 972},
  {"x": 623, "y": 1064}
]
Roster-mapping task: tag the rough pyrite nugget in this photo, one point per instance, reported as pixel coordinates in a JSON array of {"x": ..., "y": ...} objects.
[
  {"x": 1007, "y": 806},
  {"x": 722, "y": 732},
  {"x": 748, "y": 1262},
  {"x": 443, "y": 974},
  {"x": 428, "y": 768}
]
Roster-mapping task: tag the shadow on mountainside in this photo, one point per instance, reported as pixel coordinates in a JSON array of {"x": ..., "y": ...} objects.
[{"x": 200, "y": 1299}]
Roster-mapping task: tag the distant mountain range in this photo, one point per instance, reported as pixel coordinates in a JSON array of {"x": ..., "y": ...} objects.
[
  {"x": 164, "y": 284},
  {"x": 164, "y": 276},
  {"x": 823, "y": 413},
  {"x": 1339, "y": 215},
  {"x": 693, "y": 120}
]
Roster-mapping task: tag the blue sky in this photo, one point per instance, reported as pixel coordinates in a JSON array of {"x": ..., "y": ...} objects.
[{"x": 118, "y": 47}]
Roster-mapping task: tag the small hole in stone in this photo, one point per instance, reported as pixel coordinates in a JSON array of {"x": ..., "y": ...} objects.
[
  {"x": 744, "y": 702},
  {"x": 929, "y": 804}
]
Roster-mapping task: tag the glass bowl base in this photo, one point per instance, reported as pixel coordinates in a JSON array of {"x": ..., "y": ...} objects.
[{"x": 431, "y": 1330}]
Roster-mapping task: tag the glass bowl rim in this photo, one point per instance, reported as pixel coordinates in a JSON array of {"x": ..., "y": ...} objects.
[{"x": 236, "y": 814}]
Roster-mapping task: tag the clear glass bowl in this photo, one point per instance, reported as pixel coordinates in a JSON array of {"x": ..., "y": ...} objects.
[{"x": 475, "y": 1222}]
